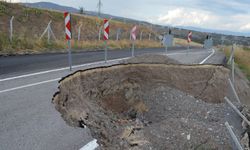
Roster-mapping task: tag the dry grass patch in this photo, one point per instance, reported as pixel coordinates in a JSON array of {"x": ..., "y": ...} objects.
[
  {"x": 183, "y": 42},
  {"x": 242, "y": 55}
]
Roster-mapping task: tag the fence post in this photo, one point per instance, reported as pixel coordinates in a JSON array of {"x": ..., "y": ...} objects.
[
  {"x": 79, "y": 32},
  {"x": 234, "y": 91},
  {"x": 118, "y": 34},
  {"x": 100, "y": 32},
  {"x": 141, "y": 35},
  {"x": 236, "y": 141},
  {"x": 149, "y": 36},
  {"x": 237, "y": 111},
  {"x": 11, "y": 29},
  {"x": 49, "y": 32},
  {"x": 233, "y": 64}
]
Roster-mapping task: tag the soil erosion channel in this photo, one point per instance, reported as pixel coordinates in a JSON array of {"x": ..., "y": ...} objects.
[{"x": 148, "y": 105}]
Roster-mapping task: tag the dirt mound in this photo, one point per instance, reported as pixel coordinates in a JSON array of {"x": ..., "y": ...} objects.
[
  {"x": 151, "y": 59},
  {"x": 143, "y": 106}
]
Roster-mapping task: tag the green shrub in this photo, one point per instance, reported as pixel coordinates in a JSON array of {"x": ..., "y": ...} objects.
[{"x": 3, "y": 8}]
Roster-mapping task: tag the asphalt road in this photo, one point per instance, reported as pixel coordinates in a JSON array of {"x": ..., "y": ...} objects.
[
  {"x": 15, "y": 65},
  {"x": 29, "y": 121}
]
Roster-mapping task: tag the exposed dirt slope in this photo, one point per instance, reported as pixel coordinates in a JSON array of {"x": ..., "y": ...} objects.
[{"x": 124, "y": 104}]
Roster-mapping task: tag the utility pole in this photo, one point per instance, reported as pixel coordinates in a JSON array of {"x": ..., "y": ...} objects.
[{"x": 99, "y": 6}]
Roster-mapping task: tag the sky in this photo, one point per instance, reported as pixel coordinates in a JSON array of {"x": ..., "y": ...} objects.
[{"x": 231, "y": 15}]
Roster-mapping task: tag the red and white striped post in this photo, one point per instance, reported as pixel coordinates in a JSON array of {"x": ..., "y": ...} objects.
[
  {"x": 106, "y": 37},
  {"x": 133, "y": 38},
  {"x": 68, "y": 35},
  {"x": 189, "y": 38}
]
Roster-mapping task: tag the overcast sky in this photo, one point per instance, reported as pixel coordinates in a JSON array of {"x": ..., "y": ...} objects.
[{"x": 232, "y": 15}]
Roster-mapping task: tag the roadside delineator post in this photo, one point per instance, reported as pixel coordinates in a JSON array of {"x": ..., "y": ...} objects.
[
  {"x": 189, "y": 39},
  {"x": 133, "y": 38},
  {"x": 106, "y": 37},
  {"x": 68, "y": 34}
]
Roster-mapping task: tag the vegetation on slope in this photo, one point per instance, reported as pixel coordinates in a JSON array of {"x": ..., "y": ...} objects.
[
  {"x": 30, "y": 23},
  {"x": 242, "y": 55}
]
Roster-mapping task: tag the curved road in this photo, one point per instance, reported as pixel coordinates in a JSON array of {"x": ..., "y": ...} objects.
[{"x": 29, "y": 121}]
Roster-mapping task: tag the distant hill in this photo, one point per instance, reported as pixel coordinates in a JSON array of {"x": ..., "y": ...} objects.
[
  {"x": 53, "y": 6},
  {"x": 225, "y": 32}
]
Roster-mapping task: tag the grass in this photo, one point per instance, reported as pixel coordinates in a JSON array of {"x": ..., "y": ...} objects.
[
  {"x": 21, "y": 46},
  {"x": 183, "y": 42},
  {"x": 242, "y": 58},
  {"x": 29, "y": 24}
]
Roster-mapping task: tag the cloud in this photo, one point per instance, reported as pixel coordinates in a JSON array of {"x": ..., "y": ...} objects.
[
  {"x": 233, "y": 15},
  {"x": 15, "y": 1},
  {"x": 183, "y": 17},
  {"x": 204, "y": 19},
  {"x": 245, "y": 27}
]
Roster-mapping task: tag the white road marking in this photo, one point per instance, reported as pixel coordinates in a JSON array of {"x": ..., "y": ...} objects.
[
  {"x": 92, "y": 145},
  {"x": 203, "y": 61},
  {"x": 29, "y": 85},
  {"x": 77, "y": 66},
  {"x": 188, "y": 53},
  {"x": 60, "y": 69}
]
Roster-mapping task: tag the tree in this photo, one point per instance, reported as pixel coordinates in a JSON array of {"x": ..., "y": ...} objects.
[{"x": 81, "y": 10}]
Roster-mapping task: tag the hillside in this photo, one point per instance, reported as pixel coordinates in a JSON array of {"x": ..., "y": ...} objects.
[
  {"x": 52, "y": 6},
  {"x": 30, "y": 23},
  {"x": 180, "y": 32}
]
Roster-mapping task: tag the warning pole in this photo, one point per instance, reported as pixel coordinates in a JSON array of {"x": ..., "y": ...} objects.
[
  {"x": 133, "y": 37},
  {"x": 189, "y": 39},
  {"x": 105, "y": 38},
  {"x": 68, "y": 36}
]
